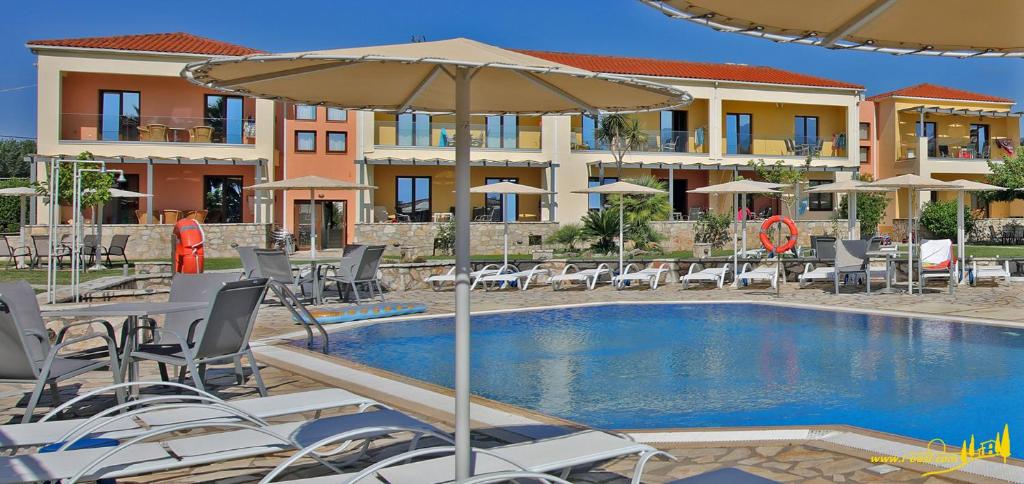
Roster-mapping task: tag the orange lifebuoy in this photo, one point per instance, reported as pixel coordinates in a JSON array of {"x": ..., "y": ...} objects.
[
  {"x": 790, "y": 239},
  {"x": 188, "y": 248}
]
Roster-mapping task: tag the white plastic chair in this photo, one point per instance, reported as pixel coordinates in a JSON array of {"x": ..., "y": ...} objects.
[
  {"x": 571, "y": 273},
  {"x": 749, "y": 274},
  {"x": 438, "y": 281},
  {"x": 511, "y": 276},
  {"x": 651, "y": 275},
  {"x": 714, "y": 275}
]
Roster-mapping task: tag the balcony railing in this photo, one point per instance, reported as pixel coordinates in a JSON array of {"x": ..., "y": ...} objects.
[
  {"x": 959, "y": 148},
  {"x": 442, "y": 135},
  {"x": 157, "y": 129},
  {"x": 801, "y": 146},
  {"x": 658, "y": 141}
]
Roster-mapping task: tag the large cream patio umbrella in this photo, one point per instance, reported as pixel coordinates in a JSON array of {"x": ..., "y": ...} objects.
[
  {"x": 22, "y": 193},
  {"x": 738, "y": 188},
  {"x": 436, "y": 77},
  {"x": 851, "y": 188},
  {"x": 504, "y": 189},
  {"x": 913, "y": 183},
  {"x": 950, "y": 28},
  {"x": 963, "y": 186},
  {"x": 621, "y": 188}
]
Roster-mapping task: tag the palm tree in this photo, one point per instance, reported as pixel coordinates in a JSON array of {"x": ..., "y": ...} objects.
[
  {"x": 641, "y": 210},
  {"x": 621, "y": 133}
]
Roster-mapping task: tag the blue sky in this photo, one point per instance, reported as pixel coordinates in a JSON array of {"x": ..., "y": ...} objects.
[{"x": 620, "y": 27}]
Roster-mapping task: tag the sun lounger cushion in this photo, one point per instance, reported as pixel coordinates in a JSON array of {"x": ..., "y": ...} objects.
[{"x": 363, "y": 312}]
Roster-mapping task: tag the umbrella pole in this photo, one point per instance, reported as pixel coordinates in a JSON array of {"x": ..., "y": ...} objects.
[
  {"x": 504, "y": 220},
  {"x": 735, "y": 256},
  {"x": 462, "y": 319},
  {"x": 312, "y": 245},
  {"x": 97, "y": 215},
  {"x": 961, "y": 237},
  {"x": 622, "y": 241},
  {"x": 852, "y": 230},
  {"x": 21, "y": 229},
  {"x": 910, "y": 240}
]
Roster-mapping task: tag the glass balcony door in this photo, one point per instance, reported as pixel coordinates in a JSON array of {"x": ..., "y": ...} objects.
[
  {"x": 738, "y": 134},
  {"x": 805, "y": 135},
  {"x": 510, "y": 211},
  {"x": 225, "y": 115},
  {"x": 673, "y": 131},
  {"x": 412, "y": 197},
  {"x": 120, "y": 112},
  {"x": 502, "y": 131},
  {"x": 331, "y": 224},
  {"x": 414, "y": 130},
  {"x": 979, "y": 143},
  {"x": 222, "y": 199},
  {"x": 928, "y": 131}
]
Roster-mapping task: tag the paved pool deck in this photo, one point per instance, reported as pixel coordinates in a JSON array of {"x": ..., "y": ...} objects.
[{"x": 785, "y": 455}]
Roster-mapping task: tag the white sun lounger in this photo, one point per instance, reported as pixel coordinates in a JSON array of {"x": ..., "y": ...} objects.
[
  {"x": 994, "y": 272},
  {"x": 760, "y": 274},
  {"x": 651, "y": 275},
  {"x": 571, "y": 273},
  {"x": 438, "y": 281},
  {"x": 134, "y": 457},
  {"x": 714, "y": 275},
  {"x": 543, "y": 456},
  {"x": 110, "y": 426},
  {"x": 815, "y": 274},
  {"x": 503, "y": 279}
]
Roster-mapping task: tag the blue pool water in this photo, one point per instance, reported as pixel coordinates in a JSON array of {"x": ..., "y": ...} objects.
[{"x": 705, "y": 365}]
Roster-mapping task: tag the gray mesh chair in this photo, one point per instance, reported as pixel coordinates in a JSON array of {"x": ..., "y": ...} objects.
[
  {"x": 41, "y": 250},
  {"x": 851, "y": 258},
  {"x": 221, "y": 336},
  {"x": 118, "y": 247},
  {"x": 360, "y": 268},
  {"x": 274, "y": 265},
  {"x": 250, "y": 265},
  {"x": 11, "y": 252},
  {"x": 27, "y": 355}
]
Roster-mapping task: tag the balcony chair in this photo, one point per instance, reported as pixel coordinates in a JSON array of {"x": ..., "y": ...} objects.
[
  {"x": 141, "y": 217},
  {"x": 200, "y": 134},
  {"x": 171, "y": 216},
  {"x": 153, "y": 132}
]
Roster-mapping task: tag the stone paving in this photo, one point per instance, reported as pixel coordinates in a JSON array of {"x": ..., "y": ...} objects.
[{"x": 800, "y": 461}]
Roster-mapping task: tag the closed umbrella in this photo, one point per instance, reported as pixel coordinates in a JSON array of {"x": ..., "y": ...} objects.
[
  {"x": 311, "y": 183},
  {"x": 851, "y": 188},
  {"x": 22, "y": 193},
  {"x": 738, "y": 188},
  {"x": 888, "y": 26},
  {"x": 621, "y": 188},
  {"x": 913, "y": 183},
  {"x": 504, "y": 189},
  {"x": 437, "y": 77},
  {"x": 961, "y": 237}
]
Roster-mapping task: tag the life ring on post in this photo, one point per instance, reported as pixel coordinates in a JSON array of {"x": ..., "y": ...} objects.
[
  {"x": 790, "y": 239},
  {"x": 189, "y": 241}
]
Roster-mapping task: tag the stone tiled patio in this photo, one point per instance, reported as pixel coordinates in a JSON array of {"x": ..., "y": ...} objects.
[{"x": 784, "y": 461}]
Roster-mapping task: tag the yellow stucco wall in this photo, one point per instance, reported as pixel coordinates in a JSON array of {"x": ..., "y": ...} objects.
[
  {"x": 386, "y": 132},
  {"x": 952, "y": 131},
  {"x": 772, "y": 123},
  {"x": 442, "y": 186}
]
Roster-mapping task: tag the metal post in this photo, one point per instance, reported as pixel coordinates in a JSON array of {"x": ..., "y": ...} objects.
[
  {"x": 54, "y": 207},
  {"x": 149, "y": 190},
  {"x": 735, "y": 255},
  {"x": 910, "y": 240},
  {"x": 671, "y": 193},
  {"x": 853, "y": 231},
  {"x": 622, "y": 240},
  {"x": 312, "y": 246},
  {"x": 21, "y": 229},
  {"x": 961, "y": 237},
  {"x": 504, "y": 221},
  {"x": 552, "y": 203},
  {"x": 462, "y": 319}
]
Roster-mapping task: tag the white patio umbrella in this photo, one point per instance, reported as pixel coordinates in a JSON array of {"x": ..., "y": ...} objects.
[
  {"x": 504, "y": 189},
  {"x": 311, "y": 183},
  {"x": 913, "y": 183},
  {"x": 888, "y": 26},
  {"x": 738, "y": 189},
  {"x": 961, "y": 237},
  {"x": 851, "y": 188},
  {"x": 22, "y": 193},
  {"x": 437, "y": 77},
  {"x": 621, "y": 188}
]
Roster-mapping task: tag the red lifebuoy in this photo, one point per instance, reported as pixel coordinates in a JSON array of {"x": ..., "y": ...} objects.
[
  {"x": 188, "y": 247},
  {"x": 790, "y": 239}
]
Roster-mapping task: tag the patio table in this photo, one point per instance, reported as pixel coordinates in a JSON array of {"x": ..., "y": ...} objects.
[{"x": 132, "y": 312}]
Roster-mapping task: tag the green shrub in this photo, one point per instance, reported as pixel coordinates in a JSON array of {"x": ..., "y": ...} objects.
[
  {"x": 10, "y": 216},
  {"x": 712, "y": 229},
  {"x": 603, "y": 227},
  {"x": 940, "y": 219},
  {"x": 569, "y": 235},
  {"x": 870, "y": 209},
  {"x": 446, "y": 237}
]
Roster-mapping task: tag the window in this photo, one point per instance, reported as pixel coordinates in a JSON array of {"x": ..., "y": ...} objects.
[
  {"x": 979, "y": 140},
  {"x": 673, "y": 131},
  {"x": 337, "y": 114},
  {"x": 337, "y": 141},
  {"x": 508, "y": 213},
  {"x": 597, "y": 201},
  {"x": 738, "y": 133},
  {"x": 865, "y": 131},
  {"x": 865, "y": 154},
  {"x": 305, "y": 112},
  {"x": 805, "y": 134},
  {"x": 414, "y": 129},
  {"x": 305, "y": 141},
  {"x": 588, "y": 133},
  {"x": 819, "y": 202},
  {"x": 412, "y": 197},
  {"x": 121, "y": 210},
  {"x": 225, "y": 115},
  {"x": 502, "y": 131},
  {"x": 119, "y": 115},
  {"x": 222, "y": 198},
  {"x": 929, "y": 132}
]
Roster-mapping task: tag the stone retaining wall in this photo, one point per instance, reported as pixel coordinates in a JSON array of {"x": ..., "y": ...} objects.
[
  {"x": 984, "y": 228},
  {"x": 679, "y": 235},
  {"x": 485, "y": 238},
  {"x": 154, "y": 241}
]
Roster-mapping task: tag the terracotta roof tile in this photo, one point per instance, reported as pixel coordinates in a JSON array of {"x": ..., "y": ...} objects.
[
  {"x": 939, "y": 92},
  {"x": 173, "y": 42},
  {"x": 689, "y": 70}
]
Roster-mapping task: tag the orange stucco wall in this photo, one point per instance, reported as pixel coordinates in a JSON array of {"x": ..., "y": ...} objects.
[
  {"x": 340, "y": 166},
  {"x": 180, "y": 187},
  {"x": 163, "y": 100},
  {"x": 867, "y": 115}
]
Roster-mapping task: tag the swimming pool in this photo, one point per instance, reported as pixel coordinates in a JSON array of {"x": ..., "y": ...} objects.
[{"x": 708, "y": 365}]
